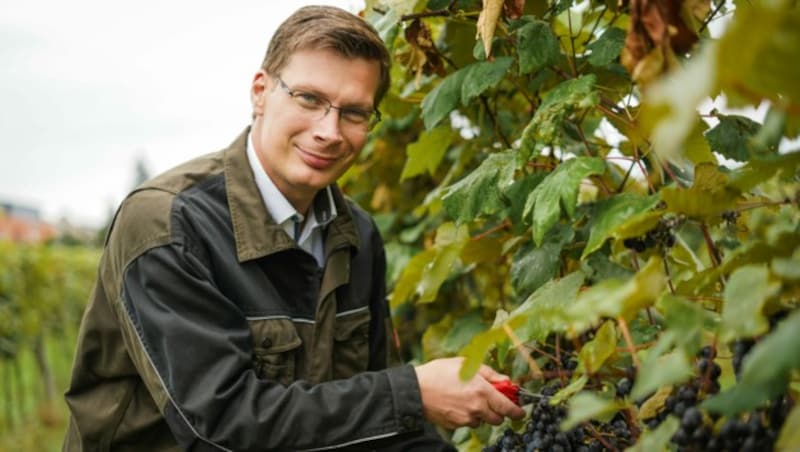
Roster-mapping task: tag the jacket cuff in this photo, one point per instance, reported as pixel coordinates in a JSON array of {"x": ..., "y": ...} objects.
[{"x": 407, "y": 398}]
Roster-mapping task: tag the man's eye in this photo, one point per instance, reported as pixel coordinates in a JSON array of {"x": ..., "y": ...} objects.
[
  {"x": 308, "y": 100},
  {"x": 355, "y": 115}
]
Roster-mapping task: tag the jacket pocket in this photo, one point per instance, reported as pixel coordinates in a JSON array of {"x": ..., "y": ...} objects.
[
  {"x": 351, "y": 344},
  {"x": 275, "y": 348}
]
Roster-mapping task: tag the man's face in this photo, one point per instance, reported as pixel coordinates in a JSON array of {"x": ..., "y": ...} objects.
[{"x": 301, "y": 152}]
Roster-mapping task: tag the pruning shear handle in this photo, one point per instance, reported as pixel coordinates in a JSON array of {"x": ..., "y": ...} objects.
[{"x": 513, "y": 391}]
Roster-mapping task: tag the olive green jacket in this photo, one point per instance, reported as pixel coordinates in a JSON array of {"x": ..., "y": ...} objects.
[{"x": 209, "y": 329}]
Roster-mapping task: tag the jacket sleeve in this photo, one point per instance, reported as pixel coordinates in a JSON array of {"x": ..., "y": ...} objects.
[
  {"x": 385, "y": 352},
  {"x": 192, "y": 347}
]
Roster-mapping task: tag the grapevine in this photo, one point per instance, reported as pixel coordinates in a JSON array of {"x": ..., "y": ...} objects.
[{"x": 558, "y": 202}]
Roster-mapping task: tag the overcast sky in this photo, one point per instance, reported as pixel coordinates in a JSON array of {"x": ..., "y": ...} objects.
[{"x": 88, "y": 87}]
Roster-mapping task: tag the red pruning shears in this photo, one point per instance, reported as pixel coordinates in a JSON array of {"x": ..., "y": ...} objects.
[{"x": 513, "y": 391}]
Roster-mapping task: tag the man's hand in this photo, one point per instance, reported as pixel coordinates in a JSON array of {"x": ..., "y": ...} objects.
[{"x": 449, "y": 402}]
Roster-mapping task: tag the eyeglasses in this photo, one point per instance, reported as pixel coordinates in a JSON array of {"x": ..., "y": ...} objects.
[{"x": 317, "y": 107}]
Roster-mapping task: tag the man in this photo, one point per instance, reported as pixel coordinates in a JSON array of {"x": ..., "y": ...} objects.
[{"x": 240, "y": 302}]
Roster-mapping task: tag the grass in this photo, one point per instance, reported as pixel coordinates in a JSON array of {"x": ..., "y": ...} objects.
[{"x": 34, "y": 425}]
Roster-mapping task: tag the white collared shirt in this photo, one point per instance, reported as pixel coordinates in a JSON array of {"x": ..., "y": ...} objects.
[{"x": 311, "y": 237}]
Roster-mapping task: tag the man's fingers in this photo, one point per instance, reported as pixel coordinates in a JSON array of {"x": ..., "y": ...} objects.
[{"x": 490, "y": 374}]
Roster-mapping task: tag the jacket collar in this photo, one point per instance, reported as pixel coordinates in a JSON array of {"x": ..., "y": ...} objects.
[{"x": 256, "y": 233}]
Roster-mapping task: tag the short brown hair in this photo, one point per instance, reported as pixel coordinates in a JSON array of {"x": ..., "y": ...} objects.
[{"x": 328, "y": 27}]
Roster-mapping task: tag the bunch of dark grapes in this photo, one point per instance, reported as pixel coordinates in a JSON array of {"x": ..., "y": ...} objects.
[
  {"x": 756, "y": 431},
  {"x": 661, "y": 235},
  {"x": 542, "y": 432}
]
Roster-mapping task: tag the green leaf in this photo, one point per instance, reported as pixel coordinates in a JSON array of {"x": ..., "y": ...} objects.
[
  {"x": 543, "y": 311},
  {"x": 537, "y": 47},
  {"x": 613, "y": 212},
  {"x": 427, "y": 152},
  {"x": 428, "y": 270},
  {"x": 595, "y": 352},
  {"x": 708, "y": 196},
  {"x": 482, "y": 76},
  {"x": 534, "y": 266},
  {"x": 475, "y": 352},
  {"x": 789, "y": 437},
  {"x": 442, "y": 99},
  {"x": 657, "y": 440},
  {"x": 518, "y": 194},
  {"x": 606, "y": 49},
  {"x": 463, "y": 329},
  {"x": 745, "y": 294},
  {"x": 686, "y": 320},
  {"x": 787, "y": 268},
  {"x": 758, "y": 53},
  {"x": 731, "y": 135},
  {"x": 568, "y": 96},
  {"x": 572, "y": 388},
  {"x": 696, "y": 147},
  {"x": 660, "y": 370},
  {"x": 559, "y": 189},
  {"x": 758, "y": 171},
  {"x": 614, "y": 298},
  {"x": 765, "y": 371},
  {"x": 587, "y": 406},
  {"x": 480, "y": 193}
]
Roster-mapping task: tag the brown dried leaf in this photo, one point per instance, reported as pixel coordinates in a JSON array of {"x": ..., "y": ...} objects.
[
  {"x": 419, "y": 37},
  {"x": 487, "y": 22},
  {"x": 658, "y": 30},
  {"x": 513, "y": 9}
]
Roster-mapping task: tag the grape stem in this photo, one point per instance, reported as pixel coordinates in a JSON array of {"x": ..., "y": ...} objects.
[
  {"x": 536, "y": 371},
  {"x": 623, "y": 325}
]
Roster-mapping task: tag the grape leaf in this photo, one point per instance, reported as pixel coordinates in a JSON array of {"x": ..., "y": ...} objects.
[
  {"x": 589, "y": 405},
  {"x": 559, "y": 189},
  {"x": 475, "y": 352},
  {"x": 433, "y": 338},
  {"x": 613, "y": 212},
  {"x": 482, "y": 76},
  {"x": 543, "y": 311},
  {"x": 658, "y": 439},
  {"x": 568, "y": 96},
  {"x": 607, "y": 47},
  {"x": 517, "y": 193},
  {"x": 572, "y": 388},
  {"x": 659, "y": 369},
  {"x": 759, "y": 171},
  {"x": 789, "y": 437},
  {"x": 428, "y": 270},
  {"x": 744, "y": 297},
  {"x": 687, "y": 320},
  {"x": 480, "y": 193},
  {"x": 765, "y": 370},
  {"x": 442, "y": 99},
  {"x": 462, "y": 331},
  {"x": 427, "y": 152},
  {"x": 709, "y": 194},
  {"x": 765, "y": 63},
  {"x": 595, "y": 352},
  {"x": 696, "y": 147},
  {"x": 731, "y": 135},
  {"x": 614, "y": 298},
  {"x": 537, "y": 47},
  {"x": 534, "y": 266}
]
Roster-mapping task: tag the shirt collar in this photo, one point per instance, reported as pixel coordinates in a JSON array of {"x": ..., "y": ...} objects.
[{"x": 276, "y": 203}]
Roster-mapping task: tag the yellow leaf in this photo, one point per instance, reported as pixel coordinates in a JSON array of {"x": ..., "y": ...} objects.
[{"x": 487, "y": 21}]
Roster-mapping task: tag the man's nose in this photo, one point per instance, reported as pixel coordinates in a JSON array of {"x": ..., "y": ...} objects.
[{"x": 329, "y": 127}]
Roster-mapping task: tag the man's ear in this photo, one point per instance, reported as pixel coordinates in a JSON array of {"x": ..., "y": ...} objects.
[{"x": 262, "y": 84}]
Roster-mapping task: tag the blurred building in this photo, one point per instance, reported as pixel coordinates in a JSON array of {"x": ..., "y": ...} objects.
[{"x": 19, "y": 223}]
